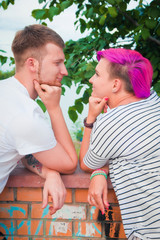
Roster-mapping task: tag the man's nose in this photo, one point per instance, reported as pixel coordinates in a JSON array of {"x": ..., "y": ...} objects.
[{"x": 64, "y": 71}]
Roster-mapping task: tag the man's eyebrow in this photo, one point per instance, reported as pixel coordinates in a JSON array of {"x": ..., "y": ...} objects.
[{"x": 59, "y": 60}]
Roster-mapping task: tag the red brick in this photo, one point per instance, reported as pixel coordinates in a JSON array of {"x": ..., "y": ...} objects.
[
  {"x": 68, "y": 197},
  {"x": 17, "y": 238},
  {"x": 13, "y": 210},
  {"x": 58, "y": 228},
  {"x": 66, "y": 212},
  {"x": 53, "y": 238},
  {"x": 7, "y": 195},
  {"x": 33, "y": 227},
  {"x": 49, "y": 238},
  {"x": 81, "y": 195},
  {"x": 88, "y": 229},
  {"x": 112, "y": 214},
  {"x": 38, "y": 212},
  {"x": 114, "y": 230},
  {"x": 7, "y": 227},
  {"x": 29, "y": 194},
  {"x": 112, "y": 196}
]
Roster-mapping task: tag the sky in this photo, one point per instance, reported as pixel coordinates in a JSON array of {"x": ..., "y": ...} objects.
[{"x": 17, "y": 16}]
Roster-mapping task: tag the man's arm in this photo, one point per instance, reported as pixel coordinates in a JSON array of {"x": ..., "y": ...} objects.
[
  {"x": 53, "y": 184},
  {"x": 62, "y": 157}
]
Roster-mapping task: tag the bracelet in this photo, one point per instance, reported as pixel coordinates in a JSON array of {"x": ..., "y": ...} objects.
[
  {"x": 98, "y": 172},
  {"x": 88, "y": 125}
]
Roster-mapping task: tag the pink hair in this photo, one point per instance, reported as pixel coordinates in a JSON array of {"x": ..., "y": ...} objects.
[{"x": 139, "y": 69}]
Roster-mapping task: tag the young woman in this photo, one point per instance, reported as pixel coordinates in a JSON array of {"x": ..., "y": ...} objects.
[{"x": 126, "y": 137}]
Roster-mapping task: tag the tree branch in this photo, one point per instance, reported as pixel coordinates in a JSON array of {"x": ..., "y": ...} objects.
[{"x": 136, "y": 24}]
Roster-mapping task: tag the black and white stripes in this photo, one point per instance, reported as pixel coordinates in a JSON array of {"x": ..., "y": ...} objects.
[{"x": 128, "y": 138}]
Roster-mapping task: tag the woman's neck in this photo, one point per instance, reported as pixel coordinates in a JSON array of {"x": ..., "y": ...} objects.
[{"x": 124, "y": 100}]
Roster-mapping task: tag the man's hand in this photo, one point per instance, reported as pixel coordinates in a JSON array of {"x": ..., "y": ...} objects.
[
  {"x": 97, "y": 194},
  {"x": 55, "y": 188},
  {"x": 50, "y": 95}
]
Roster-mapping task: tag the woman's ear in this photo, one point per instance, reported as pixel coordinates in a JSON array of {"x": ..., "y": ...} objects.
[
  {"x": 117, "y": 83},
  {"x": 32, "y": 64}
]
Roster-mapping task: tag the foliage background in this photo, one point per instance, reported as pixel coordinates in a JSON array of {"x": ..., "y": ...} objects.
[{"x": 109, "y": 23}]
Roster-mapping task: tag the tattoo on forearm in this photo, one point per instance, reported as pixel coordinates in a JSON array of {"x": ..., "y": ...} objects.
[{"x": 32, "y": 161}]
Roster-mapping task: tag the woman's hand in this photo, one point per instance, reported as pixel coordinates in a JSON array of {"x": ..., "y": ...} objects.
[
  {"x": 96, "y": 105},
  {"x": 97, "y": 194}
]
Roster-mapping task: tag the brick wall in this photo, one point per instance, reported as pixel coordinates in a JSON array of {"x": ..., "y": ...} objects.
[{"x": 21, "y": 215}]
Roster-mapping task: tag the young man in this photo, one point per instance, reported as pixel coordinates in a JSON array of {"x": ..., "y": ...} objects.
[{"x": 25, "y": 134}]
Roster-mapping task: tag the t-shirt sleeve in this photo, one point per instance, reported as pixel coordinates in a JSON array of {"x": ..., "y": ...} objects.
[
  {"x": 94, "y": 158},
  {"x": 31, "y": 133},
  {"x": 103, "y": 143}
]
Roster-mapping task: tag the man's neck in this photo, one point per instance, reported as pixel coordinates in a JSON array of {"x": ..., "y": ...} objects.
[{"x": 28, "y": 84}]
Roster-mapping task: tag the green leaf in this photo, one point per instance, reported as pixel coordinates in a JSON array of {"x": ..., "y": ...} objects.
[
  {"x": 83, "y": 25},
  {"x": 145, "y": 33},
  {"x": 79, "y": 106},
  {"x": 40, "y": 1},
  {"x": 154, "y": 12},
  {"x": 112, "y": 2},
  {"x": 90, "y": 12},
  {"x": 155, "y": 74},
  {"x": 53, "y": 11},
  {"x": 2, "y": 51},
  {"x": 3, "y": 59},
  {"x": 41, "y": 104},
  {"x": 112, "y": 11},
  {"x": 65, "y": 4},
  {"x": 72, "y": 114},
  {"x": 119, "y": 1},
  {"x": 85, "y": 97},
  {"x": 158, "y": 31},
  {"x": 38, "y": 13},
  {"x": 150, "y": 23},
  {"x": 102, "y": 19},
  {"x": 123, "y": 6},
  {"x": 78, "y": 90}
]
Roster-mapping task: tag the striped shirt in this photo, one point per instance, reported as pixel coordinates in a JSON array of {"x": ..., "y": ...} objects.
[{"x": 128, "y": 138}]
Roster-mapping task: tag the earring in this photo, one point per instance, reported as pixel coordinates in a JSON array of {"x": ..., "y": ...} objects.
[{"x": 114, "y": 90}]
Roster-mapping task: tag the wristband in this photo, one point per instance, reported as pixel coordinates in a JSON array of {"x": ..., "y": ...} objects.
[
  {"x": 98, "y": 172},
  {"x": 88, "y": 125}
]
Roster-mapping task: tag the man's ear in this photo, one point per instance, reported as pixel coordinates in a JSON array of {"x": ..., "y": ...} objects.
[
  {"x": 32, "y": 64},
  {"x": 117, "y": 84}
]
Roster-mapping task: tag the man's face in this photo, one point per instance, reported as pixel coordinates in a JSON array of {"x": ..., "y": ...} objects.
[
  {"x": 101, "y": 80},
  {"x": 52, "y": 68}
]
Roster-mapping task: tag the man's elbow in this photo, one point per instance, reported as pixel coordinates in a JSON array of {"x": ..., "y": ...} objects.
[{"x": 72, "y": 168}]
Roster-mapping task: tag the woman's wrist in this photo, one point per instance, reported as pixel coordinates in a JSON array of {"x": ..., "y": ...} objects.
[
  {"x": 98, "y": 172},
  {"x": 88, "y": 124}
]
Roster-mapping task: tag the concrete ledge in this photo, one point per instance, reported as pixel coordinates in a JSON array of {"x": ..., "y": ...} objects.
[{"x": 22, "y": 177}]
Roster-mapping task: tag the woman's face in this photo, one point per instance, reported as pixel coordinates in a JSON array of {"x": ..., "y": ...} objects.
[{"x": 101, "y": 82}]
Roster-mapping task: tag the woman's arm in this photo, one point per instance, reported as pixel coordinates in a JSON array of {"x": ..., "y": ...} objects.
[{"x": 96, "y": 105}]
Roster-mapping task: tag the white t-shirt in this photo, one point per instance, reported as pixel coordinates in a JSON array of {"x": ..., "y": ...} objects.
[
  {"x": 128, "y": 138},
  {"x": 23, "y": 127}
]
